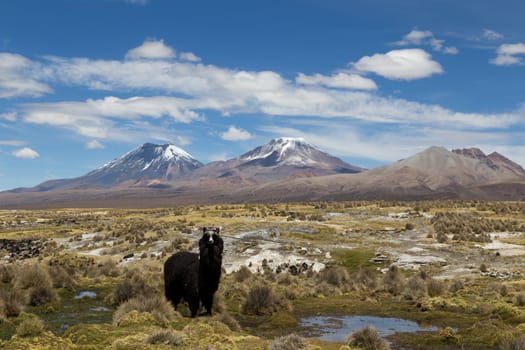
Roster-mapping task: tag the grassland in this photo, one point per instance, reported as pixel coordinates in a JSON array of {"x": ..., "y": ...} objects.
[{"x": 95, "y": 281}]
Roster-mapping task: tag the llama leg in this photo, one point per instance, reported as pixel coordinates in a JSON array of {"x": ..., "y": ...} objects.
[
  {"x": 193, "y": 304},
  {"x": 174, "y": 298},
  {"x": 207, "y": 301}
]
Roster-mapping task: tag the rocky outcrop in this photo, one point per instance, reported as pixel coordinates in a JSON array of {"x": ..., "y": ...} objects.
[{"x": 21, "y": 248}]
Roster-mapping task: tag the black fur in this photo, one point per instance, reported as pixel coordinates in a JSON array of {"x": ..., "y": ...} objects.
[{"x": 195, "y": 277}]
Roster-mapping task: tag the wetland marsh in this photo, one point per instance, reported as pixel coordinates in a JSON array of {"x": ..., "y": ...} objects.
[{"x": 95, "y": 281}]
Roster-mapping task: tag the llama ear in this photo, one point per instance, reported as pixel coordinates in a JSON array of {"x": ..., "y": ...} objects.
[
  {"x": 204, "y": 230},
  {"x": 218, "y": 230}
]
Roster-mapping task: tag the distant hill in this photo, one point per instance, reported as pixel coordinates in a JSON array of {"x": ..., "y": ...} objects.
[{"x": 283, "y": 170}]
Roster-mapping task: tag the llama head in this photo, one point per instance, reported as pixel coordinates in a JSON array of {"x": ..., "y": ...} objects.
[{"x": 211, "y": 245}]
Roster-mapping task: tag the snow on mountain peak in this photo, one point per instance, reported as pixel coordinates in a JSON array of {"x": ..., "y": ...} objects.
[{"x": 285, "y": 150}]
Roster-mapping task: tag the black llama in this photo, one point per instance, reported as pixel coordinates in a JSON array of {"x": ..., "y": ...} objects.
[{"x": 195, "y": 277}]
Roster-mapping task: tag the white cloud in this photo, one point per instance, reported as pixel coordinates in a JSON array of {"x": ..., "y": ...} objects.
[
  {"x": 189, "y": 56},
  {"x": 509, "y": 54},
  {"x": 426, "y": 37},
  {"x": 236, "y": 134},
  {"x": 339, "y": 80},
  {"x": 235, "y": 92},
  {"x": 98, "y": 118},
  {"x": 12, "y": 142},
  {"x": 407, "y": 64},
  {"x": 26, "y": 153},
  {"x": 491, "y": 34},
  {"x": 415, "y": 37},
  {"x": 151, "y": 49},
  {"x": 16, "y": 77},
  {"x": 94, "y": 144},
  {"x": 9, "y": 116}
]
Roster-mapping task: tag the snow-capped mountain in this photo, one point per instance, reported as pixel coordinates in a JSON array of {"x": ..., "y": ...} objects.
[
  {"x": 280, "y": 158},
  {"x": 147, "y": 162}
]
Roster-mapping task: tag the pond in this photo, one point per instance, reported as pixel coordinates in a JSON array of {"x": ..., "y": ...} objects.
[{"x": 337, "y": 328}]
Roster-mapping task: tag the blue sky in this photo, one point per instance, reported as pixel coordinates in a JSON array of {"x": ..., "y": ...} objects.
[{"x": 84, "y": 81}]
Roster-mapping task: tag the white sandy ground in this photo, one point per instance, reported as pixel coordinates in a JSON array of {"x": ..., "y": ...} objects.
[{"x": 504, "y": 249}]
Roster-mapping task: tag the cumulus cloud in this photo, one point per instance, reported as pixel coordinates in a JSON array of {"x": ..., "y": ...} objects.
[
  {"x": 151, "y": 49},
  {"x": 189, "y": 56},
  {"x": 426, "y": 37},
  {"x": 26, "y": 153},
  {"x": 339, "y": 80},
  {"x": 236, "y": 134},
  {"x": 97, "y": 118},
  {"x": 509, "y": 54},
  {"x": 201, "y": 87},
  {"x": 16, "y": 77},
  {"x": 94, "y": 144},
  {"x": 407, "y": 64},
  {"x": 491, "y": 34}
]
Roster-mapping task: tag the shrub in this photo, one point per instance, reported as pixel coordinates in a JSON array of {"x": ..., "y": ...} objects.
[
  {"x": 337, "y": 276},
  {"x": 512, "y": 343},
  {"x": 435, "y": 287},
  {"x": 456, "y": 286},
  {"x": 158, "y": 306},
  {"x": 11, "y": 301},
  {"x": 415, "y": 288},
  {"x": 127, "y": 290},
  {"x": 31, "y": 326},
  {"x": 261, "y": 300},
  {"x": 61, "y": 278},
  {"x": 520, "y": 299},
  {"x": 393, "y": 280},
  {"x": 228, "y": 320},
  {"x": 289, "y": 342},
  {"x": 42, "y": 295},
  {"x": 32, "y": 276},
  {"x": 366, "y": 277},
  {"x": 7, "y": 273},
  {"x": 243, "y": 274},
  {"x": 367, "y": 338},
  {"x": 165, "y": 337}
]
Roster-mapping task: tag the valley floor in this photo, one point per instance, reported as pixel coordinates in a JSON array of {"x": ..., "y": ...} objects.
[{"x": 92, "y": 278}]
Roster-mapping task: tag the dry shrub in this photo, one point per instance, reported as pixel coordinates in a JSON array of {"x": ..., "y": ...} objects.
[
  {"x": 262, "y": 300},
  {"x": 158, "y": 306},
  {"x": 61, "y": 278},
  {"x": 513, "y": 343},
  {"x": 243, "y": 274},
  {"x": 367, "y": 338},
  {"x": 415, "y": 288},
  {"x": 7, "y": 273},
  {"x": 228, "y": 320},
  {"x": 289, "y": 342},
  {"x": 166, "y": 338},
  {"x": 456, "y": 285},
  {"x": 393, "y": 281},
  {"x": 107, "y": 268},
  {"x": 520, "y": 299},
  {"x": 337, "y": 276},
  {"x": 31, "y": 326},
  {"x": 42, "y": 295},
  {"x": 134, "y": 287},
  {"x": 366, "y": 278},
  {"x": 11, "y": 302},
  {"x": 435, "y": 287},
  {"x": 32, "y": 275}
]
